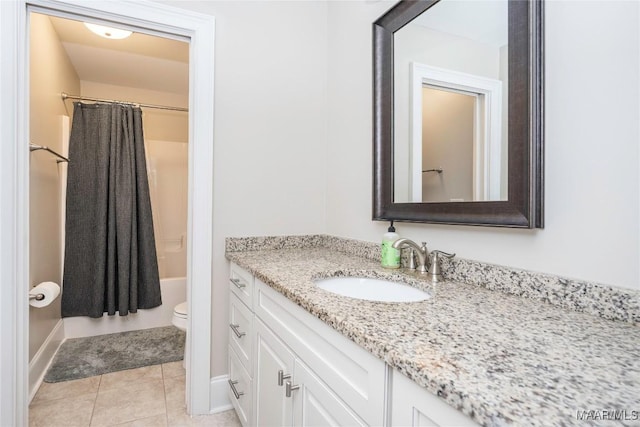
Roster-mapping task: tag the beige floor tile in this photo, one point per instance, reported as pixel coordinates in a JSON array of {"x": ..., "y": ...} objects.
[
  {"x": 222, "y": 419},
  {"x": 155, "y": 421},
  {"x": 173, "y": 369},
  {"x": 125, "y": 404},
  {"x": 174, "y": 391},
  {"x": 228, "y": 418},
  {"x": 86, "y": 387},
  {"x": 125, "y": 378},
  {"x": 71, "y": 412}
]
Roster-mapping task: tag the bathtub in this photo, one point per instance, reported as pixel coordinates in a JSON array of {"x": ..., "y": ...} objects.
[{"x": 173, "y": 290}]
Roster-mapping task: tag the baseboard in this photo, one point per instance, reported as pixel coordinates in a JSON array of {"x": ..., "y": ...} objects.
[
  {"x": 220, "y": 394},
  {"x": 43, "y": 358}
]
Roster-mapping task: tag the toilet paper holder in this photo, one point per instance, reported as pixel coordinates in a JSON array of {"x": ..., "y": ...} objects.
[{"x": 37, "y": 297}]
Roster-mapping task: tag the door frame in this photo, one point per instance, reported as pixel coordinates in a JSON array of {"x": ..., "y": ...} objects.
[
  {"x": 487, "y": 143},
  {"x": 14, "y": 184}
]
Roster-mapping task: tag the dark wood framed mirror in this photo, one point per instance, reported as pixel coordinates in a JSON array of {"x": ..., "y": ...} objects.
[{"x": 516, "y": 199}]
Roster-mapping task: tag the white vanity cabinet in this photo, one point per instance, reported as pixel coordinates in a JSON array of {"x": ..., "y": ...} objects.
[
  {"x": 326, "y": 379},
  {"x": 348, "y": 376},
  {"x": 241, "y": 341},
  {"x": 289, "y": 393},
  {"x": 315, "y": 404},
  {"x": 414, "y": 406},
  {"x": 289, "y": 368}
]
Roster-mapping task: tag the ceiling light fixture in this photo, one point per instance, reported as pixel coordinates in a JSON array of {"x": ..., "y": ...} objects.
[{"x": 108, "y": 32}]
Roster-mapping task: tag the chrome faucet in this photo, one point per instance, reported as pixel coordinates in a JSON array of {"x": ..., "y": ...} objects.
[{"x": 421, "y": 252}]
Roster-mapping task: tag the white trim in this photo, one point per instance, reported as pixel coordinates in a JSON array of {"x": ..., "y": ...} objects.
[
  {"x": 14, "y": 184},
  {"x": 14, "y": 218},
  {"x": 43, "y": 358},
  {"x": 220, "y": 394},
  {"x": 488, "y": 132}
]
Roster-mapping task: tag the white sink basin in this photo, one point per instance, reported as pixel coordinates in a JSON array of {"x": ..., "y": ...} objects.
[{"x": 372, "y": 289}]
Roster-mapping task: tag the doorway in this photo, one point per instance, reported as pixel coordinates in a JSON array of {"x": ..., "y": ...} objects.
[
  {"x": 151, "y": 19},
  {"x": 433, "y": 91},
  {"x": 448, "y": 133}
]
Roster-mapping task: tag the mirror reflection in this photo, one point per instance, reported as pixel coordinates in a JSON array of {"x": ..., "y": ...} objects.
[{"x": 450, "y": 104}]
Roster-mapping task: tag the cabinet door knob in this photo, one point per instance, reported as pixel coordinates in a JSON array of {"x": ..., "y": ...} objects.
[
  {"x": 282, "y": 377},
  {"x": 238, "y": 283},
  {"x": 235, "y": 329},
  {"x": 288, "y": 388},
  {"x": 236, "y": 393}
]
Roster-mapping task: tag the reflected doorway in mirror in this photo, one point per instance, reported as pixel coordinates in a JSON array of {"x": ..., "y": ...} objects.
[{"x": 471, "y": 149}]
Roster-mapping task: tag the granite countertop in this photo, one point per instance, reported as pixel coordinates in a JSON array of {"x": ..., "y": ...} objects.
[{"x": 499, "y": 358}]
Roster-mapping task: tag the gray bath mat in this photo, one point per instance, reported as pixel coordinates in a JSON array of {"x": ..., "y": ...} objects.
[{"x": 85, "y": 357}]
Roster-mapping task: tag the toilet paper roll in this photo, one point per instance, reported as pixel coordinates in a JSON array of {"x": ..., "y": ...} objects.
[{"x": 50, "y": 290}]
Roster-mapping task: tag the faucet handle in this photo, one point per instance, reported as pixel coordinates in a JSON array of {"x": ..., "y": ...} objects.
[
  {"x": 445, "y": 254},
  {"x": 434, "y": 270}
]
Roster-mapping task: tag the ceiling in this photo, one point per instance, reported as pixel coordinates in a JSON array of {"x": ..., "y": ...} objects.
[{"x": 140, "y": 61}]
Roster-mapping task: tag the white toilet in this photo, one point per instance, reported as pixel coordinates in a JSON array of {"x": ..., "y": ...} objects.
[
  {"x": 179, "y": 320},
  {"x": 180, "y": 316}
]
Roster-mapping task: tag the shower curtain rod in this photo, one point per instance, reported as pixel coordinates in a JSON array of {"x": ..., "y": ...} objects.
[{"x": 86, "y": 98}]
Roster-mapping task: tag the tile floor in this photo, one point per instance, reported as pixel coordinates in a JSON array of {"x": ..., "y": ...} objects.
[{"x": 149, "y": 396}]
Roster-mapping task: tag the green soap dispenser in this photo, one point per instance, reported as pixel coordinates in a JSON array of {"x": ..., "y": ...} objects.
[{"x": 390, "y": 256}]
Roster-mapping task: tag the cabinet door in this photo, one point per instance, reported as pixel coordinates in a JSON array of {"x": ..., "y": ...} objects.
[
  {"x": 414, "y": 406},
  {"x": 315, "y": 404},
  {"x": 272, "y": 357}
]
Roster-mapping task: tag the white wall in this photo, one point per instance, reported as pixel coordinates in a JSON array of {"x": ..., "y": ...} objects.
[
  {"x": 592, "y": 157},
  {"x": 51, "y": 73},
  {"x": 270, "y": 129},
  {"x": 162, "y": 125},
  {"x": 349, "y": 143},
  {"x": 293, "y": 139}
]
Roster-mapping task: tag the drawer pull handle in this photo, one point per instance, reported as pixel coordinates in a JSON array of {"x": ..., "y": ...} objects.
[
  {"x": 236, "y": 393},
  {"x": 235, "y": 330},
  {"x": 282, "y": 377},
  {"x": 288, "y": 388},
  {"x": 238, "y": 283}
]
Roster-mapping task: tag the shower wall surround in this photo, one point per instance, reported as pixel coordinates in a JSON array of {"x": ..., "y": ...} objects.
[{"x": 604, "y": 301}]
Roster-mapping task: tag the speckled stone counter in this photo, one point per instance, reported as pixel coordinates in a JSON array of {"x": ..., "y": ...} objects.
[{"x": 499, "y": 358}]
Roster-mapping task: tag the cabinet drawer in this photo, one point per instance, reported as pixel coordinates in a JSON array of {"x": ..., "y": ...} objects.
[
  {"x": 241, "y": 284},
  {"x": 350, "y": 371},
  {"x": 240, "y": 389},
  {"x": 241, "y": 331}
]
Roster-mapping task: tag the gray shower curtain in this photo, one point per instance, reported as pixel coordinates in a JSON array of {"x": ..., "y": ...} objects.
[{"x": 110, "y": 261}]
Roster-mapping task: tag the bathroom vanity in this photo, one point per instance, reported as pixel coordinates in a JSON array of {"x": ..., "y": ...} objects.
[{"x": 300, "y": 355}]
